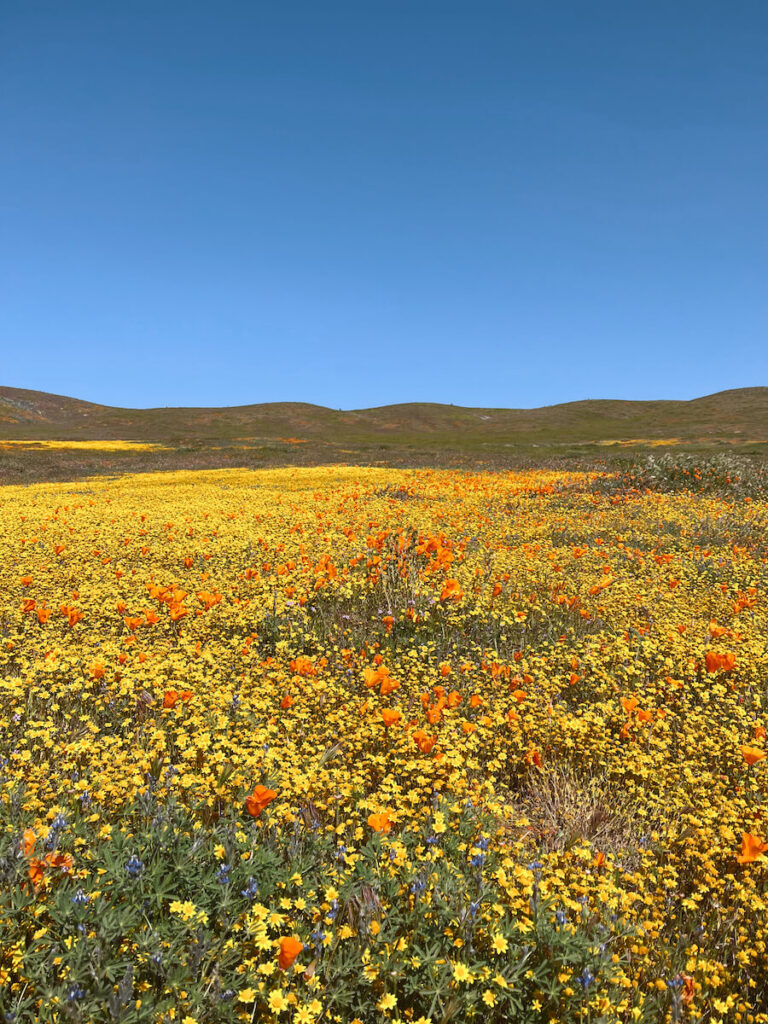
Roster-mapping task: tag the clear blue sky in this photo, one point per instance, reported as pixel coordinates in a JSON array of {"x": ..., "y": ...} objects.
[{"x": 485, "y": 203}]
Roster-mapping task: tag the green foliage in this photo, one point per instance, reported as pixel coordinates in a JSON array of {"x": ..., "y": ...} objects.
[{"x": 159, "y": 918}]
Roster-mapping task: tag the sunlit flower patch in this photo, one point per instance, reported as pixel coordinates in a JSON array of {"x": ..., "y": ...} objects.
[{"x": 344, "y": 744}]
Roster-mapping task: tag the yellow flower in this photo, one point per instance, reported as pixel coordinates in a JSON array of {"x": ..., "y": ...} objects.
[
  {"x": 462, "y": 973},
  {"x": 277, "y": 1001},
  {"x": 387, "y": 1002},
  {"x": 499, "y": 944},
  {"x": 246, "y": 995}
]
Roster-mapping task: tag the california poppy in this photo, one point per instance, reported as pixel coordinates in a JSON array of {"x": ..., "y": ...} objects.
[
  {"x": 424, "y": 742},
  {"x": 259, "y": 799},
  {"x": 752, "y": 754},
  {"x": 380, "y": 822},
  {"x": 390, "y": 717},
  {"x": 290, "y": 948},
  {"x": 451, "y": 591},
  {"x": 751, "y": 848}
]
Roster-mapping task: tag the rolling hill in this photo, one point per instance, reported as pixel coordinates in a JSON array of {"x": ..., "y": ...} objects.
[{"x": 729, "y": 417}]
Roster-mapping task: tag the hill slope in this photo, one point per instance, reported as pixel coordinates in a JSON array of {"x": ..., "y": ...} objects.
[{"x": 728, "y": 416}]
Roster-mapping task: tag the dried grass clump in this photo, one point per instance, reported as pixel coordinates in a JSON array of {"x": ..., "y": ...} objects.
[{"x": 564, "y": 807}]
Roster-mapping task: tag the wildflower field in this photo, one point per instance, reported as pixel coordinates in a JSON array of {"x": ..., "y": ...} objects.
[{"x": 339, "y": 744}]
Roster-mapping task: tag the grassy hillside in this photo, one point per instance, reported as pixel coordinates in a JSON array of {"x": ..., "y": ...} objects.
[{"x": 738, "y": 416}]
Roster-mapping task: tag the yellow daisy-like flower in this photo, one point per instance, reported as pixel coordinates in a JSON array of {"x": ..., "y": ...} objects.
[
  {"x": 462, "y": 973},
  {"x": 387, "y": 1002},
  {"x": 246, "y": 995},
  {"x": 277, "y": 1001}
]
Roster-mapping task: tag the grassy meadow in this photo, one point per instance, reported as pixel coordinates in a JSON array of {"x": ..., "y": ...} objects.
[{"x": 378, "y": 744}]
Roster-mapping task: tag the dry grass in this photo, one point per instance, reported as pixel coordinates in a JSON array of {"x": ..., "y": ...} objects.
[{"x": 562, "y": 808}]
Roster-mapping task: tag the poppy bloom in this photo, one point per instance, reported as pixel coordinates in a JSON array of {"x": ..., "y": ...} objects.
[
  {"x": 451, "y": 591},
  {"x": 752, "y": 754},
  {"x": 29, "y": 841},
  {"x": 424, "y": 742},
  {"x": 380, "y": 822},
  {"x": 258, "y": 800},
  {"x": 38, "y": 866},
  {"x": 751, "y": 848},
  {"x": 388, "y": 685},
  {"x": 289, "y": 950},
  {"x": 303, "y": 666},
  {"x": 716, "y": 662},
  {"x": 390, "y": 717}
]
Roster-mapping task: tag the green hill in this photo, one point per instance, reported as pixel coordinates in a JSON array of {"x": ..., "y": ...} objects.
[{"x": 729, "y": 417}]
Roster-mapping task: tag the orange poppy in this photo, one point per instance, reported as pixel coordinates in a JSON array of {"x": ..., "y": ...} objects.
[
  {"x": 380, "y": 822},
  {"x": 424, "y": 742},
  {"x": 716, "y": 662},
  {"x": 451, "y": 591},
  {"x": 259, "y": 799},
  {"x": 689, "y": 989},
  {"x": 751, "y": 848},
  {"x": 303, "y": 666},
  {"x": 390, "y": 717},
  {"x": 752, "y": 754},
  {"x": 290, "y": 948},
  {"x": 37, "y": 866}
]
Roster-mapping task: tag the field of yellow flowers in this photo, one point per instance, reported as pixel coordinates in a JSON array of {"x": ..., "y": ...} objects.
[{"x": 372, "y": 745}]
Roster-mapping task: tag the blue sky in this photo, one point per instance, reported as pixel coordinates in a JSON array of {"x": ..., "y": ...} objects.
[{"x": 491, "y": 204}]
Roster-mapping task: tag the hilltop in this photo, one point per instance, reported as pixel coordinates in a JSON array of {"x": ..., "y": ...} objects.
[{"x": 738, "y": 416}]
